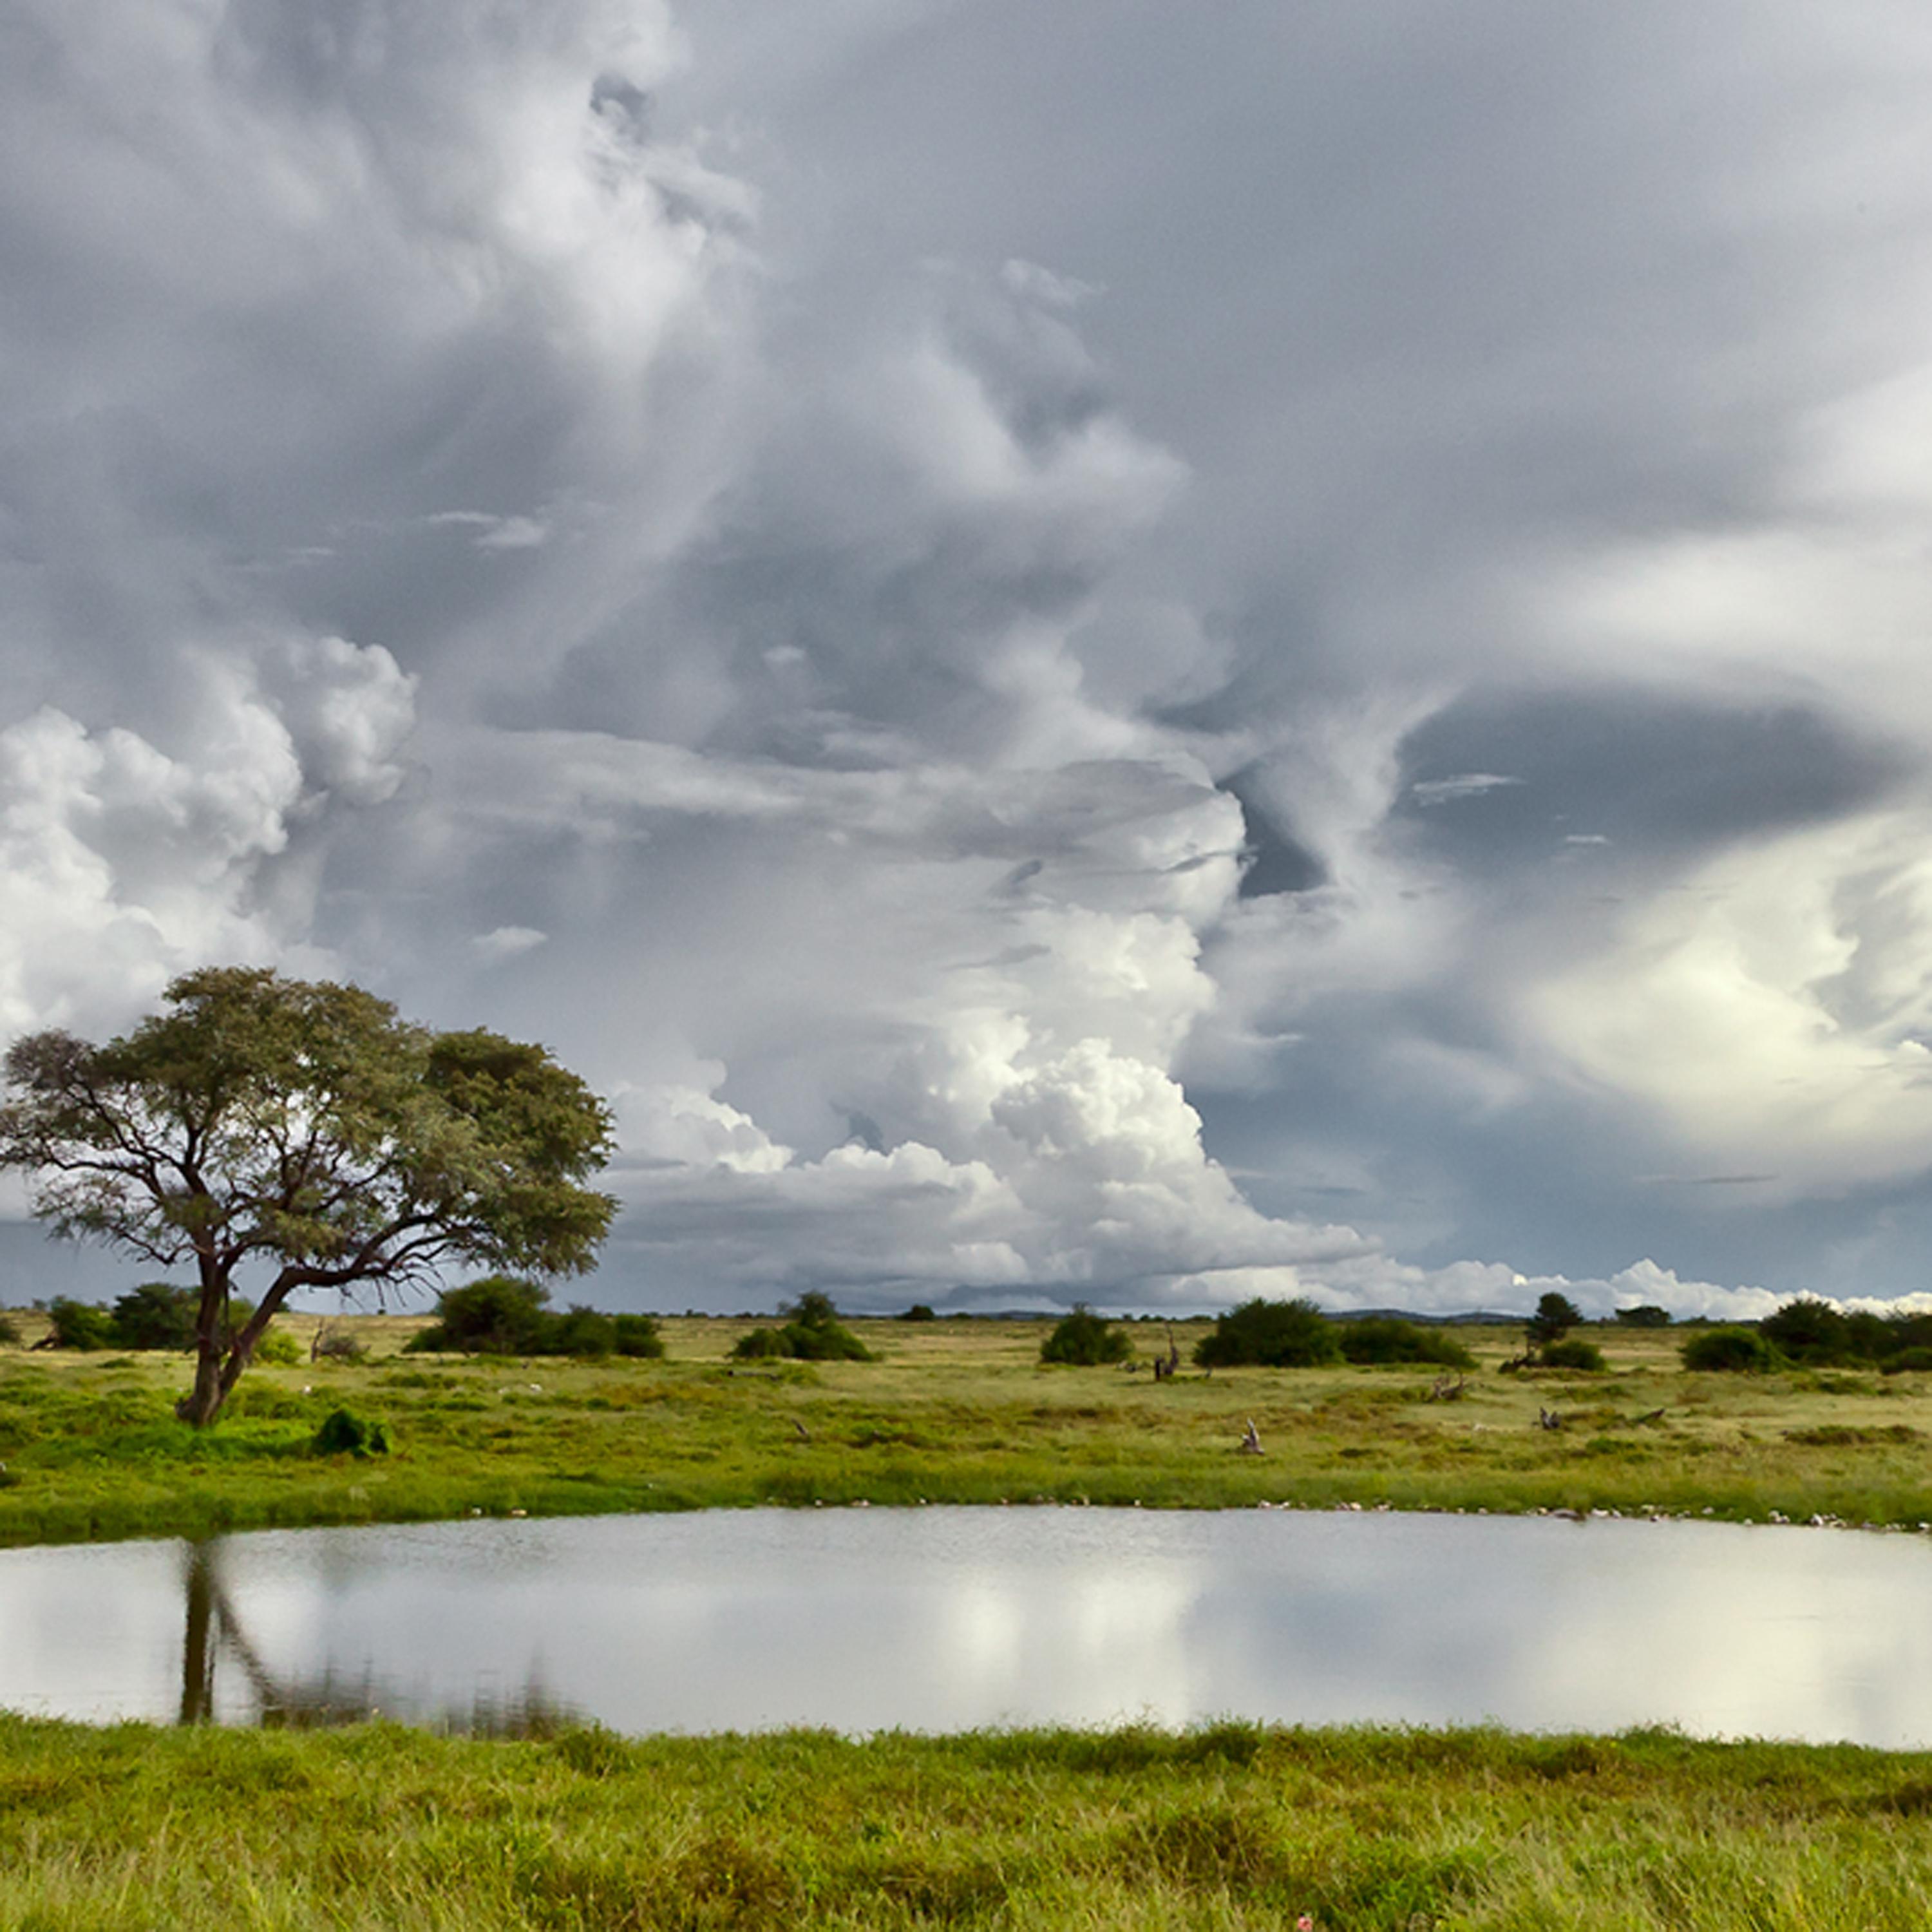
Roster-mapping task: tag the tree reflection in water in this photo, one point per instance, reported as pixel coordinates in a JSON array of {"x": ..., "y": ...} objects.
[{"x": 215, "y": 1632}]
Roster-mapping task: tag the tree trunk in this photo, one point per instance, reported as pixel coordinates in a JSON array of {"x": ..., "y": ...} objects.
[
  {"x": 219, "y": 1360},
  {"x": 197, "y": 1701},
  {"x": 202, "y": 1403}
]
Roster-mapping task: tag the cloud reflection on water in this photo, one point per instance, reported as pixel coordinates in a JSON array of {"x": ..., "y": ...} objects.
[{"x": 942, "y": 1619}]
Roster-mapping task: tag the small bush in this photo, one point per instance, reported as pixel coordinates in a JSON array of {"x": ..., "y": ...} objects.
[
  {"x": 1381, "y": 1338},
  {"x": 80, "y": 1324},
  {"x": 1271, "y": 1334},
  {"x": 1082, "y": 1340},
  {"x": 1556, "y": 1315},
  {"x": 10, "y": 1333},
  {"x": 346, "y": 1433},
  {"x": 1647, "y": 1314},
  {"x": 1809, "y": 1331},
  {"x": 814, "y": 1333},
  {"x": 334, "y": 1344},
  {"x": 918, "y": 1312},
  {"x": 157, "y": 1315},
  {"x": 637, "y": 1337},
  {"x": 1909, "y": 1361},
  {"x": 1575, "y": 1353},
  {"x": 1735, "y": 1351},
  {"x": 277, "y": 1349},
  {"x": 580, "y": 1331},
  {"x": 501, "y": 1314}
]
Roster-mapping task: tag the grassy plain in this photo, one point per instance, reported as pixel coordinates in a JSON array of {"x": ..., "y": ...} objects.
[
  {"x": 953, "y": 1411},
  {"x": 1230, "y": 1827}
]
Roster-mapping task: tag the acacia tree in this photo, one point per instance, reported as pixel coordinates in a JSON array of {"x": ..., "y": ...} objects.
[{"x": 303, "y": 1127}]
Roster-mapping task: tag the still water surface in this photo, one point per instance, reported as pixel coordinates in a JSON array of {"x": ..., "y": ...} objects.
[{"x": 945, "y": 1619}]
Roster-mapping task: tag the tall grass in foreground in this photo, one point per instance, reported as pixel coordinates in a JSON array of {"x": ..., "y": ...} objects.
[{"x": 1233, "y": 1826}]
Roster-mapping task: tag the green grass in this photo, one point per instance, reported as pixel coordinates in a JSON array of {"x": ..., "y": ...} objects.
[
  {"x": 958, "y": 1412},
  {"x": 1233, "y": 1826}
]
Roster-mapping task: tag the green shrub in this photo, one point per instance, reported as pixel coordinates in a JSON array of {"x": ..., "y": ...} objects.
[
  {"x": 10, "y": 1332},
  {"x": 918, "y": 1312},
  {"x": 1737, "y": 1351},
  {"x": 1810, "y": 1331},
  {"x": 80, "y": 1324},
  {"x": 1556, "y": 1315},
  {"x": 500, "y": 1314},
  {"x": 1271, "y": 1334},
  {"x": 580, "y": 1331},
  {"x": 346, "y": 1433},
  {"x": 334, "y": 1344},
  {"x": 1647, "y": 1314},
  {"x": 1909, "y": 1361},
  {"x": 813, "y": 1333},
  {"x": 638, "y": 1336},
  {"x": 277, "y": 1349},
  {"x": 157, "y": 1315},
  {"x": 1575, "y": 1353},
  {"x": 1082, "y": 1340},
  {"x": 1382, "y": 1338}
]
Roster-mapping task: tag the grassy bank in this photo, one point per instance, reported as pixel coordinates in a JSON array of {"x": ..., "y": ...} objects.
[
  {"x": 952, "y": 1412},
  {"x": 1231, "y": 1827}
]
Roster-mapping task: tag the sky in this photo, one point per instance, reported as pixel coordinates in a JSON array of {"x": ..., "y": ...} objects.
[{"x": 1088, "y": 652}]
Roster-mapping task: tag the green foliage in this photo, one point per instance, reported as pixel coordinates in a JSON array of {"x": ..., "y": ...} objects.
[
  {"x": 277, "y": 1349},
  {"x": 1082, "y": 1339},
  {"x": 1271, "y": 1334},
  {"x": 1810, "y": 1331},
  {"x": 157, "y": 1315},
  {"x": 345, "y": 1433},
  {"x": 812, "y": 1333},
  {"x": 639, "y": 1336},
  {"x": 9, "y": 1331},
  {"x": 918, "y": 1312},
  {"x": 1646, "y": 1315},
  {"x": 1737, "y": 1351},
  {"x": 500, "y": 1314},
  {"x": 580, "y": 1330},
  {"x": 1556, "y": 1315},
  {"x": 325, "y": 1136},
  {"x": 1382, "y": 1338},
  {"x": 335, "y": 1345},
  {"x": 1574, "y": 1353},
  {"x": 80, "y": 1324},
  {"x": 1230, "y": 1829}
]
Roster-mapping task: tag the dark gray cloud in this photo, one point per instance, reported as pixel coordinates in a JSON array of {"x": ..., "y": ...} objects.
[{"x": 1060, "y": 645}]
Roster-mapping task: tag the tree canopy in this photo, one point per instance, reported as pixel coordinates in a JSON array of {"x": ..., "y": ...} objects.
[
  {"x": 303, "y": 1128},
  {"x": 1085, "y": 1340},
  {"x": 1271, "y": 1334}
]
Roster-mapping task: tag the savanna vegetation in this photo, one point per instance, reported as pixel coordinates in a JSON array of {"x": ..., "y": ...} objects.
[
  {"x": 304, "y": 1130},
  {"x": 949, "y": 1411},
  {"x": 1232, "y": 1828},
  {"x": 1084, "y": 1340},
  {"x": 503, "y": 1315},
  {"x": 812, "y": 1333},
  {"x": 1235, "y": 1826}
]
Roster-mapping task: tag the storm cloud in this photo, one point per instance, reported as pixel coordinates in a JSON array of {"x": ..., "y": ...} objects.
[{"x": 1079, "y": 653}]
